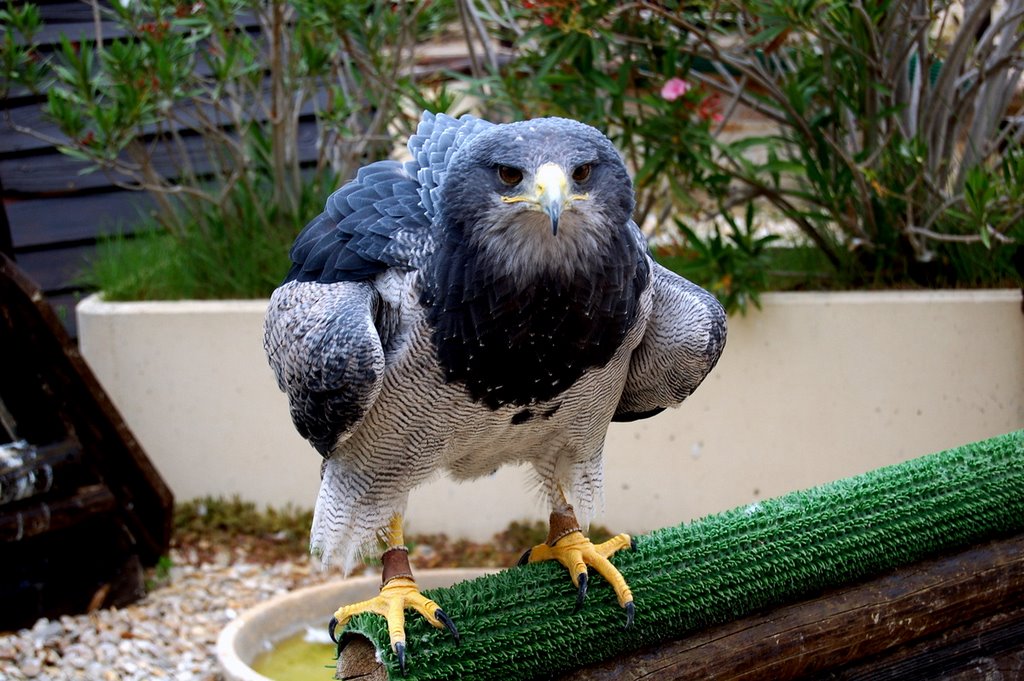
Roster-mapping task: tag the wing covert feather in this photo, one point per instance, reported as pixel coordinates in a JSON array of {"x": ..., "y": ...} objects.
[
  {"x": 319, "y": 332},
  {"x": 383, "y": 217},
  {"x": 327, "y": 356},
  {"x": 683, "y": 340}
]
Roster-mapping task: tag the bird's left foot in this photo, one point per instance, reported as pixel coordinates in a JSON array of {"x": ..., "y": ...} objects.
[
  {"x": 398, "y": 592},
  {"x": 568, "y": 545},
  {"x": 395, "y": 596}
]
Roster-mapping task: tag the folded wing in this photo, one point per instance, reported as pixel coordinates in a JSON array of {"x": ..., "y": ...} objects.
[
  {"x": 682, "y": 342},
  {"x": 325, "y": 350}
]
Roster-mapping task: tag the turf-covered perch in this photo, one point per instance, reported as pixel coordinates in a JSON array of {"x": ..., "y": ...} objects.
[{"x": 520, "y": 624}]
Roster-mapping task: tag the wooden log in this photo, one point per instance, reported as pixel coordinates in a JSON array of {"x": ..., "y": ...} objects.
[
  {"x": 933, "y": 614},
  {"x": 518, "y": 624},
  {"x": 989, "y": 648},
  {"x": 358, "y": 660},
  {"x": 919, "y": 603}
]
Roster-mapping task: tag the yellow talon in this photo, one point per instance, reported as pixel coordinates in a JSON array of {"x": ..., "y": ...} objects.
[
  {"x": 567, "y": 544},
  {"x": 394, "y": 597},
  {"x": 575, "y": 552},
  {"x": 398, "y": 593}
]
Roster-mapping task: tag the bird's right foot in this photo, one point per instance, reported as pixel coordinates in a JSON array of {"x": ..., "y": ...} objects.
[{"x": 568, "y": 545}]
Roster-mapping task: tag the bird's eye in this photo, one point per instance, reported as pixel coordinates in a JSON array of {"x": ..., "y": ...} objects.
[
  {"x": 581, "y": 173},
  {"x": 509, "y": 175}
]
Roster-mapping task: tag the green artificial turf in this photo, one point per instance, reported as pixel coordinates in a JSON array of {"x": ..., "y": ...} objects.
[{"x": 520, "y": 624}]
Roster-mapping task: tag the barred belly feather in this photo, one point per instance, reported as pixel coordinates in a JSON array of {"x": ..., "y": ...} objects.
[{"x": 404, "y": 441}]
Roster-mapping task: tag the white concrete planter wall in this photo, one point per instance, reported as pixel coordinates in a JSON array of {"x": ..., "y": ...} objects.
[{"x": 812, "y": 388}]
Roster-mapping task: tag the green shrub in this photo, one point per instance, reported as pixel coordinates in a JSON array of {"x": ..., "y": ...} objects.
[
  {"x": 218, "y": 90},
  {"x": 216, "y": 251}
]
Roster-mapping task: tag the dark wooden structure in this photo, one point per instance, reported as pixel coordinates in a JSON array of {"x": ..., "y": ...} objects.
[
  {"x": 959, "y": 616},
  {"x": 82, "y": 509}
]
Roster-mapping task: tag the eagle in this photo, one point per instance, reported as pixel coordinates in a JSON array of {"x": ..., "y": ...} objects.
[{"x": 488, "y": 302}]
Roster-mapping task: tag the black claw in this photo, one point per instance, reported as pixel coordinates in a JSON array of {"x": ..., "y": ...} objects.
[
  {"x": 448, "y": 624},
  {"x": 630, "y": 612},
  {"x": 525, "y": 558},
  {"x": 400, "y": 651},
  {"x": 582, "y": 593},
  {"x": 331, "y": 627}
]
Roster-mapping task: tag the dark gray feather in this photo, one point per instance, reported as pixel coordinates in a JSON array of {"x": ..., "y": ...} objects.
[
  {"x": 683, "y": 340},
  {"x": 383, "y": 217},
  {"x": 327, "y": 356}
]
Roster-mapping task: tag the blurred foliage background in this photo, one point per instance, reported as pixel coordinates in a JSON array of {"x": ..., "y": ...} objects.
[{"x": 774, "y": 145}]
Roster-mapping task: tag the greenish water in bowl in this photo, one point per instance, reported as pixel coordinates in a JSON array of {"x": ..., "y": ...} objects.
[{"x": 297, "y": 659}]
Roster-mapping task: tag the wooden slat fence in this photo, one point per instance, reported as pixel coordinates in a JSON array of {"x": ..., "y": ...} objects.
[{"x": 53, "y": 212}]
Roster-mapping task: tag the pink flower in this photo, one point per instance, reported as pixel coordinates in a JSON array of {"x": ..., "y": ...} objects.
[{"x": 673, "y": 89}]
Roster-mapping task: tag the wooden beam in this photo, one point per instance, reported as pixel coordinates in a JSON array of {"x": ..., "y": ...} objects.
[
  {"x": 922, "y": 614},
  {"x": 27, "y": 471},
  {"x": 358, "y": 660},
  {"x": 87, "y": 502}
]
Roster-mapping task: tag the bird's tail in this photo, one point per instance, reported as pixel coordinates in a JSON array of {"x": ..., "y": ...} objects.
[{"x": 345, "y": 522}]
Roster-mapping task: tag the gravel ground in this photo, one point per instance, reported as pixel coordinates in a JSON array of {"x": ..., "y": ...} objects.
[
  {"x": 169, "y": 634},
  {"x": 172, "y": 632}
]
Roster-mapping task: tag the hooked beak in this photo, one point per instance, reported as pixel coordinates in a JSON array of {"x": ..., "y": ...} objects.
[{"x": 551, "y": 192}]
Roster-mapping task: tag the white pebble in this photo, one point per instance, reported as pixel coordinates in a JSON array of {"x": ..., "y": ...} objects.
[
  {"x": 78, "y": 655},
  {"x": 31, "y": 667}
]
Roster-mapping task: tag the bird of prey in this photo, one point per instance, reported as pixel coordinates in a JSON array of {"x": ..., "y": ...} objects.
[{"x": 488, "y": 302}]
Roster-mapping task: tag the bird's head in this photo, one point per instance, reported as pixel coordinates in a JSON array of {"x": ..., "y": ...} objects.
[{"x": 540, "y": 195}]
